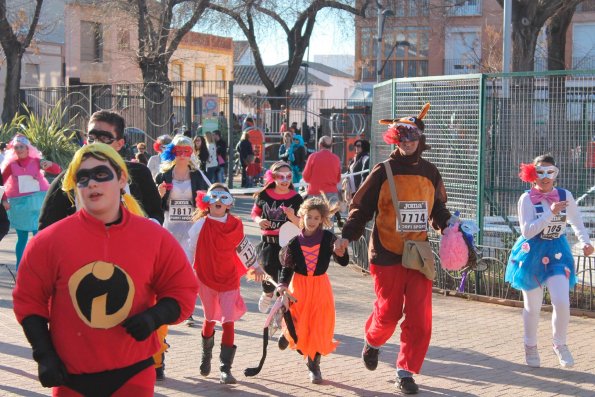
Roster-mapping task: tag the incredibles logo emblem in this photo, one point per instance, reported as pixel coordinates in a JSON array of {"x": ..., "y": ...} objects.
[{"x": 102, "y": 294}]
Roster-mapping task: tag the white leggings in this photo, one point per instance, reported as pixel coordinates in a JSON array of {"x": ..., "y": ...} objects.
[{"x": 559, "y": 293}]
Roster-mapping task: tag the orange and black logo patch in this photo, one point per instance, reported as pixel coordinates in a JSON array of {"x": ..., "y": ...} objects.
[{"x": 102, "y": 294}]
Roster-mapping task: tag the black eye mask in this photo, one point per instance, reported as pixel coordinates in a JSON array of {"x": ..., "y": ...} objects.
[{"x": 101, "y": 173}]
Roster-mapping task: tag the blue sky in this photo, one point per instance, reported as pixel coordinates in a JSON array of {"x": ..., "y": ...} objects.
[{"x": 328, "y": 37}]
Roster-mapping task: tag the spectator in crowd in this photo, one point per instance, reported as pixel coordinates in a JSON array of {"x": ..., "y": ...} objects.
[
  {"x": 323, "y": 172},
  {"x": 200, "y": 155},
  {"x": 285, "y": 146},
  {"x": 212, "y": 163},
  {"x": 297, "y": 157},
  {"x": 253, "y": 170},
  {"x": 244, "y": 148},
  {"x": 221, "y": 155},
  {"x": 155, "y": 160},
  {"x": 294, "y": 128},
  {"x": 360, "y": 162}
]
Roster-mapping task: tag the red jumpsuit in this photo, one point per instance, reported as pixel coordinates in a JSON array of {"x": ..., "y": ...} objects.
[{"x": 87, "y": 279}]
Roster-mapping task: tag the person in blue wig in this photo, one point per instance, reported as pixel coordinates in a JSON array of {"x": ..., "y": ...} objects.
[{"x": 297, "y": 157}]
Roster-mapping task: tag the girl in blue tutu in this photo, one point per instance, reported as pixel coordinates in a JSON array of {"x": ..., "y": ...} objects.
[{"x": 541, "y": 256}]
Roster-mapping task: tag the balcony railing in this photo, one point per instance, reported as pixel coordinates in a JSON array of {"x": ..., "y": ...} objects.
[
  {"x": 578, "y": 63},
  {"x": 461, "y": 66},
  {"x": 397, "y": 69},
  {"x": 461, "y": 8}
]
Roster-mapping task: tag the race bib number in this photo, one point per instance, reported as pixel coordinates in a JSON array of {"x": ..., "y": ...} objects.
[
  {"x": 413, "y": 216},
  {"x": 247, "y": 252},
  {"x": 555, "y": 228},
  {"x": 180, "y": 211},
  {"x": 28, "y": 184}
]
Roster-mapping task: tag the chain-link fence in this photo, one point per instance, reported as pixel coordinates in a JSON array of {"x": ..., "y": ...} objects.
[{"x": 481, "y": 127}]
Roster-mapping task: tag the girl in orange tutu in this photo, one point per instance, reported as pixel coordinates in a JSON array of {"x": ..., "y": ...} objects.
[{"x": 305, "y": 261}]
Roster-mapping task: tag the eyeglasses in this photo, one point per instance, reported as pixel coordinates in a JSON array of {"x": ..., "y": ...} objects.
[
  {"x": 182, "y": 151},
  {"x": 283, "y": 176},
  {"x": 101, "y": 173},
  {"x": 218, "y": 195},
  {"x": 20, "y": 147},
  {"x": 100, "y": 136},
  {"x": 357, "y": 145}
]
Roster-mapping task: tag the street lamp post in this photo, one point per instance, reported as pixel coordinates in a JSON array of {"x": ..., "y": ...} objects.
[
  {"x": 305, "y": 65},
  {"x": 398, "y": 43},
  {"x": 382, "y": 15}
]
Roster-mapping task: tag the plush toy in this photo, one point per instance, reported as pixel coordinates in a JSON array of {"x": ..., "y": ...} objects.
[{"x": 454, "y": 251}]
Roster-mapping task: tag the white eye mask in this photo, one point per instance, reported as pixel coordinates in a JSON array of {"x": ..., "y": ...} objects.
[{"x": 550, "y": 172}]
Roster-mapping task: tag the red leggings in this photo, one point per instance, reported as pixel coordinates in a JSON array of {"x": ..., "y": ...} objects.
[
  {"x": 141, "y": 385},
  {"x": 208, "y": 329},
  {"x": 401, "y": 291}
]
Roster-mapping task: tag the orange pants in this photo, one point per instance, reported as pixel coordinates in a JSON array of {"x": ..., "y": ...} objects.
[{"x": 401, "y": 291}]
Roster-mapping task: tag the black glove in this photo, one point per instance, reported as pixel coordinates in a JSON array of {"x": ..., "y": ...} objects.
[
  {"x": 142, "y": 325},
  {"x": 50, "y": 369}
]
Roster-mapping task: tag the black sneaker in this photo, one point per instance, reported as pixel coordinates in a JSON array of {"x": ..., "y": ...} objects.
[
  {"x": 159, "y": 374},
  {"x": 407, "y": 385},
  {"x": 370, "y": 357},
  {"x": 283, "y": 342}
]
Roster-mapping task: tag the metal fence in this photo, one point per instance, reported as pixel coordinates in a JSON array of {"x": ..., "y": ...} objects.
[
  {"x": 481, "y": 127},
  {"x": 151, "y": 110}
]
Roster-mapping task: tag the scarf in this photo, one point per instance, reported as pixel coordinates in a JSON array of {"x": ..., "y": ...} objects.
[{"x": 216, "y": 262}]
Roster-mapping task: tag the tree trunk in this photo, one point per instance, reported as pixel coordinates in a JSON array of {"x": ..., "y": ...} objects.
[
  {"x": 556, "y": 38},
  {"x": 11, "y": 91},
  {"x": 157, "y": 93}
]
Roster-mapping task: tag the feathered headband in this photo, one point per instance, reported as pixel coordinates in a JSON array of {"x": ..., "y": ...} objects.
[
  {"x": 392, "y": 136},
  {"x": 528, "y": 172}
]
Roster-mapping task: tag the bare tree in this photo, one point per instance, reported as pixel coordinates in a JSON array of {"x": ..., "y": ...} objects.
[
  {"x": 161, "y": 27},
  {"x": 15, "y": 37},
  {"x": 248, "y": 13},
  {"x": 528, "y": 17},
  {"x": 557, "y": 26}
]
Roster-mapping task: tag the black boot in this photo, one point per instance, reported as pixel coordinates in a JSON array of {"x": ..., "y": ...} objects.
[
  {"x": 207, "y": 354},
  {"x": 314, "y": 367},
  {"x": 226, "y": 359}
]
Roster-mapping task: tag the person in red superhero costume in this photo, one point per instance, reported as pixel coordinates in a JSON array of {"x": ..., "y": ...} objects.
[{"x": 102, "y": 297}]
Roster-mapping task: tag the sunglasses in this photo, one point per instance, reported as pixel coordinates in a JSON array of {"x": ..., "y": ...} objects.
[
  {"x": 100, "y": 136},
  {"x": 357, "y": 145},
  {"x": 283, "y": 176},
  {"x": 101, "y": 173},
  {"x": 408, "y": 134},
  {"x": 550, "y": 172},
  {"x": 184, "y": 151},
  {"x": 218, "y": 195}
]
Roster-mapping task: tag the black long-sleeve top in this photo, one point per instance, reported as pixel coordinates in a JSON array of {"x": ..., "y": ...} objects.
[{"x": 292, "y": 257}]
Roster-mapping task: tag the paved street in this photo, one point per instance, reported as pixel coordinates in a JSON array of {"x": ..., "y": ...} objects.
[{"x": 476, "y": 350}]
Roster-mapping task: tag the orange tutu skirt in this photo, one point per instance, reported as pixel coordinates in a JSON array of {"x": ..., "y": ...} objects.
[{"x": 313, "y": 315}]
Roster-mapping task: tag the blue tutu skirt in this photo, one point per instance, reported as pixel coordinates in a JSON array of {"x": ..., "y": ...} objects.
[
  {"x": 24, "y": 211},
  {"x": 534, "y": 260}
]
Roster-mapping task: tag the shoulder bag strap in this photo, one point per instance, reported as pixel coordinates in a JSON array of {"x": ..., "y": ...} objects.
[{"x": 393, "y": 188}]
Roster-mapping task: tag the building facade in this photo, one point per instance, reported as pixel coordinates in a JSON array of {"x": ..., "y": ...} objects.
[{"x": 445, "y": 37}]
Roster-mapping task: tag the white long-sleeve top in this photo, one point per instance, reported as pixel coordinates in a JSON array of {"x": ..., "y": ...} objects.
[{"x": 532, "y": 224}]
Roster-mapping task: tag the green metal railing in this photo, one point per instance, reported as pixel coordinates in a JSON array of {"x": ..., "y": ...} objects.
[{"x": 481, "y": 127}]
